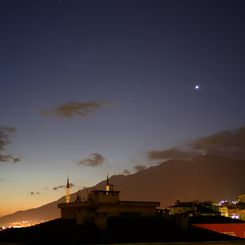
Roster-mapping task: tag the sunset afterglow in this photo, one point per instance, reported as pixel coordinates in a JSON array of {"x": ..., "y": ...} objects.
[{"x": 97, "y": 88}]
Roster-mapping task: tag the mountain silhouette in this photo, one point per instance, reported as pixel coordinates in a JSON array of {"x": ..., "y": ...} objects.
[{"x": 206, "y": 177}]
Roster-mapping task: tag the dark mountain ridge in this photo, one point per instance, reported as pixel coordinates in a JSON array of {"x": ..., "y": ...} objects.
[{"x": 203, "y": 178}]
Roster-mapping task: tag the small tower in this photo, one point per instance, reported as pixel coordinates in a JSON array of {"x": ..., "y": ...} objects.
[
  {"x": 107, "y": 187},
  {"x": 68, "y": 197}
]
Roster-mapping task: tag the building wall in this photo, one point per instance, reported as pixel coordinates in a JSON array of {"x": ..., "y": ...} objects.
[
  {"x": 68, "y": 213},
  {"x": 137, "y": 208},
  {"x": 241, "y": 198},
  {"x": 84, "y": 216},
  {"x": 242, "y": 214},
  {"x": 102, "y": 204},
  {"x": 104, "y": 196},
  {"x": 100, "y": 214},
  {"x": 233, "y": 213},
  {"x": 224, "y": 211},
  {"x": 179, "y": 209}
]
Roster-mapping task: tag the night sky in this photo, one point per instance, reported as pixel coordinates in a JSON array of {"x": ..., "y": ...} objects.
[{"x": 93, "y": 86}]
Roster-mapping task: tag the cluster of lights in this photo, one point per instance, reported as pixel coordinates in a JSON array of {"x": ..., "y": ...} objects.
[
  {"x": 226, "y": 202},
  {"x": 22, "y": 224},
  {"x": 223, "y": 202}
]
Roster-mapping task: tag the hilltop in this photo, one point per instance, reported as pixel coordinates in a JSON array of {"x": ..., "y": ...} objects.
[{"x": 135, "y": 230}]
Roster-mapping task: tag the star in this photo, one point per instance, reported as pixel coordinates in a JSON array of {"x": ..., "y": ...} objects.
[{"x": 197, "y": 87}]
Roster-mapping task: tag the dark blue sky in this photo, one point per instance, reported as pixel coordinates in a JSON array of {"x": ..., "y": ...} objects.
[{"x": 138, "y": 61}]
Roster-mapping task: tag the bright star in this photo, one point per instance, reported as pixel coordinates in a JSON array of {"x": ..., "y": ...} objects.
[{"x": 197, "y": 87}]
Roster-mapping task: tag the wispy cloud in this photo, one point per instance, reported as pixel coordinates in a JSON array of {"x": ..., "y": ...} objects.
[
  {"x": 72, "y": 109},
  {"x": 126, "y": 172},
  {"x": 172, "y": 153},
  {"x": 32, "y": 193},
  {"x": 95, "y": 159},
  {"x": 5, "y": 134},
  {"x": 139, "y": 167},
  {"x": 62, "y": 187},
  {"x": 16, "y": 159},
  {"x": 229, "y": 143},
  {"x": 7, "y": 158}
]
